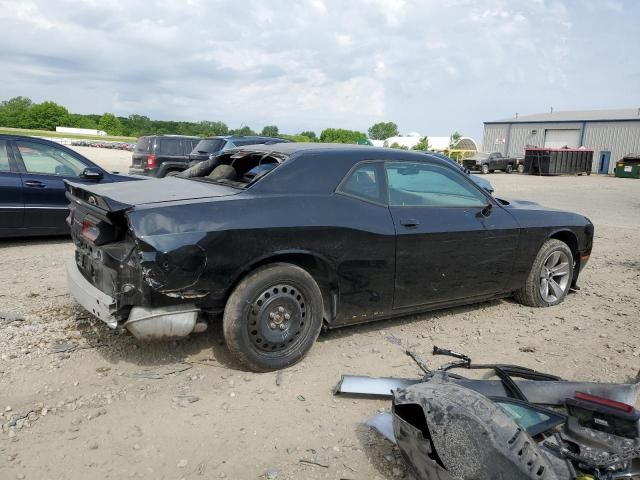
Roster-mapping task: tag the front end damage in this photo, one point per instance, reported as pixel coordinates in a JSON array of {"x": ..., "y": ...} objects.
[{"x": 143, "y": 284}]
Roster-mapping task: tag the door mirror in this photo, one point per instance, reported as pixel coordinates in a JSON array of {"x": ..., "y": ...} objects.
[{"x": 92, "y": 174}]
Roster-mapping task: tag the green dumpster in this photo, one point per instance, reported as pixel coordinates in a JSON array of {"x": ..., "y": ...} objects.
[{"x": 628, "y": 167}]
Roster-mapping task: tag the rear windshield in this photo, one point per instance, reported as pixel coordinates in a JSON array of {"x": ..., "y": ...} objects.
[
  {"x": 143, "y": 145},
  {"x": 211, "y": 145}
]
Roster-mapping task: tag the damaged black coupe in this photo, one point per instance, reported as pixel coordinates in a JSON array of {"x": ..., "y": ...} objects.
[{"x": 283, "y": 239}]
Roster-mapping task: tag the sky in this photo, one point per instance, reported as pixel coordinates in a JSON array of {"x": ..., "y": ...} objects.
[{"x": 431, "y": 66}]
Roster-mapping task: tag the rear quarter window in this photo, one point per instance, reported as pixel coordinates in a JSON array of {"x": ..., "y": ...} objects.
[
  {"x": 143, "y": 145},
  {"x": 170, "y": 146}
]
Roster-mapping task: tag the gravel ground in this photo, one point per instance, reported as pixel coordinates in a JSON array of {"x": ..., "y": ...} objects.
[{"x": 78, "y": 400}]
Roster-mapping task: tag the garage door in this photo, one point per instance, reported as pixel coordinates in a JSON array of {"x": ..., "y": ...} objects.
[{"x": 561, "y": 138}]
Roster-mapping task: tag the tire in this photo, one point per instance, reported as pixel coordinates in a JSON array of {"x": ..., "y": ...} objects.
[
  {"x": 273, "y": 317},
  {"x": 172, "y": 173},
  {"x": 555, "y": 255},
  {"x": 484, "y": 169},
  {"x": 521, "y": 168},
  {"x": 509, "y": 169}
]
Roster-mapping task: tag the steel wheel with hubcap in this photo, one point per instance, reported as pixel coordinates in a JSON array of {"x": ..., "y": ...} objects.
[
  {"x": 550, "y": 276},
  {"x": 273, "y": 317}
]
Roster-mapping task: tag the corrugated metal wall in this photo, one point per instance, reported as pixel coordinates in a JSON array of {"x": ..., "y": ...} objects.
[
  {"x": 521, "y": 134},
  {"x": 619, "y": 138},
  {"x": 493, "y": 133}
]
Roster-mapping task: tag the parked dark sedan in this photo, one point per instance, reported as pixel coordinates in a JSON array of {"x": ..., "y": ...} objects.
[
  {"x": 32, "y": 174},
  {"x": 283, "y": 239}
]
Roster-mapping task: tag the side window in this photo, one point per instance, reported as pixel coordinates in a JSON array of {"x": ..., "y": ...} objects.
[
  {"x": 4, "y": 157},
  {"x": 418, "y": 184},
  {"x": 171, "y": 146},
  {"x": 364, "y": 182},
  {"x": 39, "y": 158}
]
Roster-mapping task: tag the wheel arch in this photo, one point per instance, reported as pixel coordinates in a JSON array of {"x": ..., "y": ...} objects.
[{"x": 319, "y": 267}]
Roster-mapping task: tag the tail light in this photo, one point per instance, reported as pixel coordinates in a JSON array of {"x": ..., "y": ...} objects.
[
  {"x": 605, "y": 402},
  {"x": 90, "y": 230},
  {"x": 151, "y": 161}
]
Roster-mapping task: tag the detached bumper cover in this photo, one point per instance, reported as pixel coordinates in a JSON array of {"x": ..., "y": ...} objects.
[{"x": 92, "y": 299}]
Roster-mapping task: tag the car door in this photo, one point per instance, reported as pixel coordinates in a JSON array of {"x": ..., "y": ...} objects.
[
  {"x": 11, "y": 201},
  {"x": 44, "y": 167},
  {"x": 453, "y": 241}
]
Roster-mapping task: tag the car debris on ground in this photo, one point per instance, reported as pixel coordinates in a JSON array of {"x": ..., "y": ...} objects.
[{"x": 538, "y": 427}]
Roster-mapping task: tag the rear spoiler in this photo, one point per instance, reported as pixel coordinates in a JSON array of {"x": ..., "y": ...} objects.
[{"x": 81, "y": 194}]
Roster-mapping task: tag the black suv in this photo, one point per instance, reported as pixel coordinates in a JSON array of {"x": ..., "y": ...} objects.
[
  {"x": 215, "y": 145},
  {"x": 158, "y": 155}
]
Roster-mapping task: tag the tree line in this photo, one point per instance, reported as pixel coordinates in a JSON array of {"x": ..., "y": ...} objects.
[{"x": 22, "y": 112}]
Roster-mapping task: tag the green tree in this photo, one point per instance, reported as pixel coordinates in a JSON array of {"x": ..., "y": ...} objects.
[
  {"x": 270, "y": 131},
  {"x": 111, "y": 124},
  {"x": 47, "y": 116},
  {"x": 81, "y": 121},
  {"x": 299, "y": 138},
  {"x": 245, "y": 131},
  {"x": 453, "y": 139},
  {"x": 423, "y": 144},
  {"x": 383, "y": 130},
  {"x": 397, "y": 146},
  {"x": 15, "y": 112},
  {"x": 310, "y": 135},
  {"x": 341, "y": 135}
]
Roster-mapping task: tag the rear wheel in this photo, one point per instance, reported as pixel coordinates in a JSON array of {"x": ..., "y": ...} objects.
[
  {"x": 521, "y": 168},
  {"x": 172, "y": 173},
  {"x": 550, "y": 277},
  {"x": 509, "y": 169},
  {"x": 273, "y": 317},
  {"x": 484, "y": 169}
]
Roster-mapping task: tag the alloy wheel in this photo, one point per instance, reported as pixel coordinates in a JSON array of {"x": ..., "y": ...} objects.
[{"x": 554, "y": 276}]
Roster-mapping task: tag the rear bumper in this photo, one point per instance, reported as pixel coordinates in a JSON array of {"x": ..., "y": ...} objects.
[
  {"x": 139, "y": 171},
  {"x": 93, "y": 300}
]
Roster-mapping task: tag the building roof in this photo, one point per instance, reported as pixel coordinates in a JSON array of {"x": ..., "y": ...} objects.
[{"x": 624, "y": 114}]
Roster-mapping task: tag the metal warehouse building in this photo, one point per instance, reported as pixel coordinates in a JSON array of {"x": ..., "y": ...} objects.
[{"x": 611, "y": 134}]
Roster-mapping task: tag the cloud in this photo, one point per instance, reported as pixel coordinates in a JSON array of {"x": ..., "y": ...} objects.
[{"x": 433, "y": 67}]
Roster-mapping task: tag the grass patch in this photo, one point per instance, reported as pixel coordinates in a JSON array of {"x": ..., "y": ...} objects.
[{"x": 48, "y": 133}]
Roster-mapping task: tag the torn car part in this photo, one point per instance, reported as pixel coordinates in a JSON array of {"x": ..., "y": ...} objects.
[
  {"x": 541, "y": 392},
  {"x": 447, "y": 431},
  {"x": 164, "y": 322}
]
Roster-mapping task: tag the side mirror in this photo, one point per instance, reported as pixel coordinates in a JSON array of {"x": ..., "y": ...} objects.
[{"x": 92, "y": 174}]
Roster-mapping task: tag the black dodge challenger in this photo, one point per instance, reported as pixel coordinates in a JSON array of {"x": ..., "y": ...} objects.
[{"x": 283, "y": 239}]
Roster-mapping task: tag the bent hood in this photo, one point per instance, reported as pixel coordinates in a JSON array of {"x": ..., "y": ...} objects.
[{"x": 123, "y": 195}]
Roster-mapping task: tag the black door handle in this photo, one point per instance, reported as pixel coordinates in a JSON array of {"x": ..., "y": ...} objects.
[
  {"x": 34, "y": 183},
  {"x": 409, "y": 222}
]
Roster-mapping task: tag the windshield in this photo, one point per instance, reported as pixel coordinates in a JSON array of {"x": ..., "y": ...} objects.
[
  {"x": 479, "y": 156},
  {"x": 209, "y": 145}
]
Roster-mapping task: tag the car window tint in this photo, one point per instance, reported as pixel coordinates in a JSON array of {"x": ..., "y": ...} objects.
[
  {"x": 364, "y": 182},
  {"x": 4, "y": 157},
  {"x": 39, "y": 158},
  {"x": 417, "y": 184},
  {"x": 143, "y": 145},
  {"x": 170, "y": 146}
]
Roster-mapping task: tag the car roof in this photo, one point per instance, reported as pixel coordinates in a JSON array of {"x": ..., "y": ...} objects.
[
  {"x": 292, "y": 148},
  {"x": 244, "y": 137}
]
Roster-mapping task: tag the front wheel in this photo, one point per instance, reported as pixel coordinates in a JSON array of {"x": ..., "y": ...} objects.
[
  {"x": 550, "y": 276},
  {"x": 509, "y": 169},
  {"x": 485, "y": 169},
  {"x": 521, "y": 168},
  {"x": 273, "y": 317}
]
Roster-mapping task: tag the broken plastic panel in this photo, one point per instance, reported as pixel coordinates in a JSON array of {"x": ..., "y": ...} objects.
[{"x": 541, "y": 392}]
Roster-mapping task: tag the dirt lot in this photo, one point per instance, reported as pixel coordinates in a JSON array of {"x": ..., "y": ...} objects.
[{"x": 81, "y": 401}]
